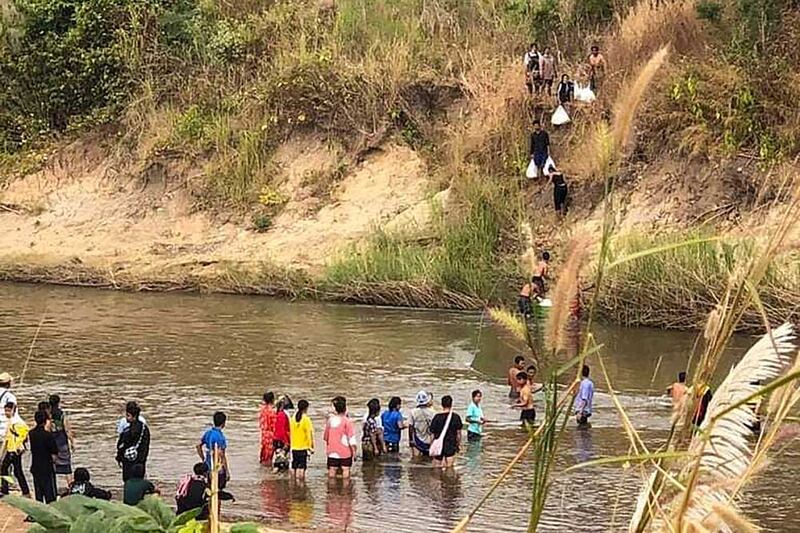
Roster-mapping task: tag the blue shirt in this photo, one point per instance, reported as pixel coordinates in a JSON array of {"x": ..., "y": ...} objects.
[
  {"x": 391, "y": 426},
  {"x": 213, "y": 437},
  {"x": 474, "y": 412},
  {"x": 585, "y": 395}
]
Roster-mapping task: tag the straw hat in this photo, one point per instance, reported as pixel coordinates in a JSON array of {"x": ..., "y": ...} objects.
[{"x": 5, "y": 377}]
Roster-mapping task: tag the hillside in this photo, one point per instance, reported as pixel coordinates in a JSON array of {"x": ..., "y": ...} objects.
[{"x": 375, "y": 151}]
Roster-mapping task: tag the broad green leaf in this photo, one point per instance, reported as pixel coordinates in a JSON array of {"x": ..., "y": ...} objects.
[
  {"x": 44, "y": 515},
  {"x": 158, "y": 510},
  {"x": 185, "y": 518},
  {"x": 74, "y": 506},
  {"x": 192, "y": 526},
  {"x": 91, "y": 523},
  {"x": 245, "y": 528}
]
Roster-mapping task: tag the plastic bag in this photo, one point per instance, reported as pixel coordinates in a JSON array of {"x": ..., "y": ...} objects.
[
  {"x": 549, "y": 166},
  {"x": 560, "y": 116},
  {"x": 532, "y": 171},
  {"x": 584, "y": 94}
]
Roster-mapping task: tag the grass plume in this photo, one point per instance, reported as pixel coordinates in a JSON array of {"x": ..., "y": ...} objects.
[{"x": 565, "y": 292}]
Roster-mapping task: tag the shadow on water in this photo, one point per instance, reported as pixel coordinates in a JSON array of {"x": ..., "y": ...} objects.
[{"x": 184, "y": 356}]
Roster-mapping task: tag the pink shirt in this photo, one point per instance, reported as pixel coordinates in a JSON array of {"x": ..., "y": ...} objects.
[{"x": 339, "y": 436}]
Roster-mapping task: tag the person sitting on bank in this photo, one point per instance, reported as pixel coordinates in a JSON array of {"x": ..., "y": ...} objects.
[
  {"x": 137, "y": 487},
  {"x": 191, "y": 492},
  {"x": 84, "y": 487}
]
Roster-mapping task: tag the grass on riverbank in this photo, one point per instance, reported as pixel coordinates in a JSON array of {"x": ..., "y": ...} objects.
[{"x": 679, "y": 287}]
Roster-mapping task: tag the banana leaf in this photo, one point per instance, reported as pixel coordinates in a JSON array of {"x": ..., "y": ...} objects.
[
  {"x": 245, "y": 528},
  {"x": 53, "y": 520},
  {"x": 91, "y": 523},
  {"x": 158, "y": 510},
  {"x": 184, "y": 518},
  {"x": 74, "y": 506}
]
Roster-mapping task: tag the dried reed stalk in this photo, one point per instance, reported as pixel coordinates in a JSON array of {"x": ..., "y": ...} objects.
[{"x": 566, "y": 291}]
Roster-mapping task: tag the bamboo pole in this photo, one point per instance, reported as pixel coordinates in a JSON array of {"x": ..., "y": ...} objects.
[{"x": 213, "y": 515}]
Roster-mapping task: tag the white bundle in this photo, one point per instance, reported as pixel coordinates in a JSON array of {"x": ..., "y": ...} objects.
[
  {"x": 584, "y": 94},
  {"x": 560, "y": 116}
]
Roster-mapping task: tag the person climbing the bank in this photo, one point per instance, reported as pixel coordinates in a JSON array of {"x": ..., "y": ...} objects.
[
  {"x": 83, "y": 486},
  {"x": 14, "y": 444},
  {"x": 533, "y": 79},
  {"x": 393, "y": 425},
  {"x": 597, "y": 68},
  {"x": 214, "y": 439},
  {"x": 540, "y": 273},
  {"x": 419, "y": 427},
  {"x": 539, "y": 149},
  {"x": 133, "y": 444},
  {"x": 565, "y": 92},
  {"x": 524, "y": 304},
  {"x": 547, "y": 69},
  {"x": 560, "y": 190},
  {"x": 583, "y": 400},
  {"x": 516, "y": 368}
]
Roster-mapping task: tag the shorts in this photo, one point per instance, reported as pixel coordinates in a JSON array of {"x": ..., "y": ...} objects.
[
  {"x": 539, "y": 282},
  {"x": 539, "y": 159},
  {"x": 473, "y": 437},
  {"x": 446, "y": 454},
  {"x": 528, "y": 416},
  {"x": 422, "y": 446},
  {"x": 337, "y": 462},
  {"x": 299, "y": 459},
  {"x": 524, "y": 305},
  {"x": 392, "y": 447},
  {"x": 560, "y": 197}
]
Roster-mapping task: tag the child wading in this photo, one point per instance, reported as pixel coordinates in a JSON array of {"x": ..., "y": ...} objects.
[
  {"x": 372, "y": 442},
  {"x": 302, "y": 440}
]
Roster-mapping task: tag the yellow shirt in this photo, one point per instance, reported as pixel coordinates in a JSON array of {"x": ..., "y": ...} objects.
[
  {"x": 16, "y": 434},
  {"x": 301, "y": 434}
]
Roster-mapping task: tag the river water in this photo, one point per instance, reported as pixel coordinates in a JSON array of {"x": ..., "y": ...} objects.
[{"x": 184, "y": 356}]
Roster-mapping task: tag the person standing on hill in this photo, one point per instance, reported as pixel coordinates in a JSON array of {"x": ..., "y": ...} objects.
[
  {"x": 565, "y": 92},
  {"x": 393, "y": 425},
  {"x": 539, "y": 147},
  {"x": 133, "y": 445},
  {"x": 533, "y": 78},
  {"x": 547, "y": 69},
  {"x": 597, "y": 68},
  {"x": 583, "y": 401}
]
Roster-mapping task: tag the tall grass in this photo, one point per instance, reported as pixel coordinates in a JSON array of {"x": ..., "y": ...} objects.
[{"x": 678, "y": 288}]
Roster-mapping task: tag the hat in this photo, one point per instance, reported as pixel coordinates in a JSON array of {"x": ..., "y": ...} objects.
[
  {"x": 423, "y": 398},
  {"x": 5, "y": 377}
]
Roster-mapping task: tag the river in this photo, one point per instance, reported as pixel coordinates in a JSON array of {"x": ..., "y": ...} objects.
[{"x": 183, "y": 356}]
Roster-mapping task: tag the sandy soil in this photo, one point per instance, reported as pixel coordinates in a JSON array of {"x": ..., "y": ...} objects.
[{"x": 86, "y": 209}]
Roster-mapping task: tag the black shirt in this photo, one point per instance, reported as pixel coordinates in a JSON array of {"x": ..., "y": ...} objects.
[
  {"x": 130, "y": 438},
  {"x": 43, "y": 448},
  {"x": 540, "y": 142},
  {"x": 450, "y": 445},
  {"x": 195, "y": 495},
  {"x": 89, "y": 490}
]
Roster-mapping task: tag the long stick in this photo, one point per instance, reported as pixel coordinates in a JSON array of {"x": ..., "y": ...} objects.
[
  {"x": 213, "y": 517},
  {"x": 30, "y": 349}
]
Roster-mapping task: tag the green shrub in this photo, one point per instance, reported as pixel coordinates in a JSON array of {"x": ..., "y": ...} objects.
[{"x": 710, "y": 10}]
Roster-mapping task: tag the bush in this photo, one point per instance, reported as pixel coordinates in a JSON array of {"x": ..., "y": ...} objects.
[{"x": 709, "y": 10}]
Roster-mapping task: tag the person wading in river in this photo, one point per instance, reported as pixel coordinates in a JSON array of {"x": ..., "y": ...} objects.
[
  {"x": 393, "y": 425},
  {"x": 372, "y": 443},
  {"x": 519, "y": 365},
  {"x": 214, "y": 439},
  {"x": 475, "y": 418},
  {"x": 340, "y": 439},
  {"x": 266, "y": 424},
  {"x": 447, "y": 425},
  {"x": 133, "y": 445},
  {"x": 525, "y": 403},
  {"x": 677, "y": 391},
  {"x": 583, "y": 400},
  {"x": 282, "y": 437},
  {"x": 301, "y": 434},
  {"x": 419, "y": 428}
]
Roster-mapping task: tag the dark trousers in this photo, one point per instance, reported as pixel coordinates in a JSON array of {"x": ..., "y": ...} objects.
[
  {"x": 126, "y": 470},
  {"x": 44, "y": 485},
  {"x": 13, "y": 461}
]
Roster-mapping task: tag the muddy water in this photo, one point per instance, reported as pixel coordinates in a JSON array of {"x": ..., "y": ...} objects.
[{"x": 184, "y": 356}]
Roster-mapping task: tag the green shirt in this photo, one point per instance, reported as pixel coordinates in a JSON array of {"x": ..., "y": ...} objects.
[{"x": 135, "y": 490}]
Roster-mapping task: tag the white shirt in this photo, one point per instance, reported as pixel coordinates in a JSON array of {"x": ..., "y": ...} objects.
[
  {"x": 6, "y": 396},
  {"x": 123, "y": 424}
]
